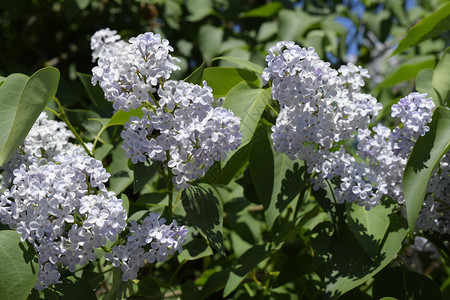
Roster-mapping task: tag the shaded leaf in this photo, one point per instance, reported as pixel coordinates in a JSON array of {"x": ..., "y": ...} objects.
[
  {"x": 95, "y": 93},
  {"x": 408, "y": 70},
  {"x": 195, "y": 249},
  {"x": 197, "y": 76},
  {"x": 424, "y": 157},
  {"x": 143, "y": 172},
  {"x": 204, "y": 210}
]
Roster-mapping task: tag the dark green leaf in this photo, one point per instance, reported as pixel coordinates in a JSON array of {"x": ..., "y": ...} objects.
[
  {"x": 22, "y": 99},
  {"x": 424, "y": 157},
  {"x": 205, "y": 212},
  {"x": 19, "y": 269},
  {"x": 195, "y": 249},
  {"x": 403, "y": 284},
  {"x": 143, "y": 172},
  {"x": 247, "y": 262},
  {"x": 95, "y": 93},
  {"x": 197, "y": 76}
]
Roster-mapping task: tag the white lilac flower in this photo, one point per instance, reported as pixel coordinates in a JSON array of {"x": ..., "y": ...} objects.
[
  {"x": 64, "y": 210},
  {"x": 320, "y": 110},
  {"x": 185, "y": 131},
  {"x": 146, "y": 243},
  {"x": 46, "y": 139},
  {"x": 129, "y": 72}
]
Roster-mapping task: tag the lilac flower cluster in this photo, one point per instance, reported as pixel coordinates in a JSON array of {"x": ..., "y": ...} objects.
[
  {"x": 46, "y": 139},
  {"x": 64, "y": 210},
  {"x": 184, "y": 130},
  {"x": 321, "y": 109},
  {"x": 127, "y": 72},
  {"x": 147, "y": 242}
]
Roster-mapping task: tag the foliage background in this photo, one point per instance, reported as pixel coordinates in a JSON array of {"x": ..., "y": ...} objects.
[{"x": 35, "y": 34}]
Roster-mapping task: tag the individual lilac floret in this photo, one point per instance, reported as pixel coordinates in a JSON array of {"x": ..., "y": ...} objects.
[
  {"x": 184, "y": 131},
  {"x": 146, "y": 243},
  {"x": 64, "y": 210},
  {"x": 46, "y": 139},
  {"x": 129, "y": 72},
  {"x": 415, "y": 112}
]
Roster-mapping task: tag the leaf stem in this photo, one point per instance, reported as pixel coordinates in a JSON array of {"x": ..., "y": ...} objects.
[{"x": 62, "y": 115}]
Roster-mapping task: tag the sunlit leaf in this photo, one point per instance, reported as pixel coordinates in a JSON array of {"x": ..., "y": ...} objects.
[{"x": 424, "y": 157}]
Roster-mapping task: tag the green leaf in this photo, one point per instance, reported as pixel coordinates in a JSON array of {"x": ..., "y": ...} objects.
[
  {"x": 292, "y": 25},
  {"x": 198, "y": 9},
  {"x": 264, "y": 11},
  {"x": 209, "y": 40},
  {"x": 368, "y": 226},
  {"x": 277, "y": 179},
  {"x": 205, "y": 211},
  {"x": 223, "y": 79},
  {"x": 72, "y": 288},
  {"x": 149, "y": 288},
  {"x": 243, "y": 63},
  {"x": 195, "y": 249},
  {"x": 431, "y": 26},
  {"x": 440, "y": 83},
  {"x": 22, "y": 99},
  {"x": 143, "y": 172},
  {"x": 121, "y": 175},
  {"x": 424, "y": 157},
  {"x": 197, "y": 76},
  {"x": 248, "y": 102},
  {"x": 423, "y": 83},
  {"x": 408, "y": 70},
  {"x": 349, "y": 265},
  {"x": 120, "y": 289},
  {"x": 18, "y": 270},
  {"x": 401, "y": 283},
  {"x": 95, "y": 93},
  {"x": 247, "y": 262}
]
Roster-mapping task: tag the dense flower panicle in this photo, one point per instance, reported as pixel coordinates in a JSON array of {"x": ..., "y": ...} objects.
[
  {"x": 320, "y": 109},
  {"x": 415, "y": 112},
  {"x": 64, "y": 210},
  {"x": 128, "y": 72},
  {"x": 185, "y": 130},
  {"x": 46, "y": 139},
  {"x": 146, "y": 243}
]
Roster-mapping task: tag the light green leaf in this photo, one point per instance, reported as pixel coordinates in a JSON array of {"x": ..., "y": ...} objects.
[
  {"x": 198, "y": 9},
  {"x": 205, "y": 212},
  {"x": 424, "y": 157},
  {"x": 440, "y": 81},
  {"x": 349, "y": 265},
  {"x": 408, "y": 70},
  {"x": 223, "y": 79},
  {"x": 22, "y": 99},
  {"x": 209, "y": 40},
  {"x": 248, "y": 102},
  {"x": 368, "y": 226},
  {"x": 423, "y": 82},
  {"x": 248, "y": 261},
  {"x": 243, "y": 63},
  {"x": 431, "y": 26},
  {"x": 19, "y": 268},
  {"x": 264, "y": 11},
  {"x": 294, "y": 24},
  {"x": 121, "y": 175}
]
